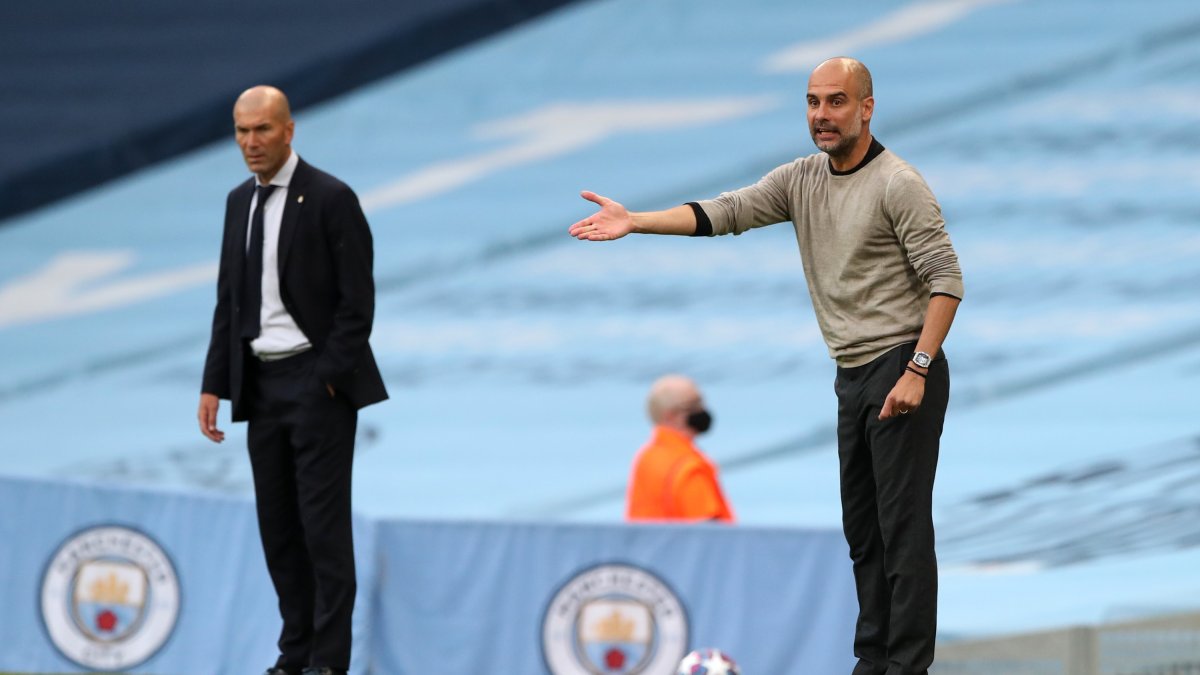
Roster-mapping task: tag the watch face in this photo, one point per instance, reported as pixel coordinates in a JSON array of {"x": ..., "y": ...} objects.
[{"x": 922, "y": 359}]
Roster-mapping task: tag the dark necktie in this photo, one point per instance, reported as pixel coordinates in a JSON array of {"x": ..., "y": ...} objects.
[{"x": 252, "y": 278}]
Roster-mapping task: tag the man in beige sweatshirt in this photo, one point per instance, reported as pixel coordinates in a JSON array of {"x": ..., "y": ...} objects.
[{"x": 885, "y": 285}]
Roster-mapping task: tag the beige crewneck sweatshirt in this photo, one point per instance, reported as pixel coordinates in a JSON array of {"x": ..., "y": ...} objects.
[{"x": 872, "y": 241}]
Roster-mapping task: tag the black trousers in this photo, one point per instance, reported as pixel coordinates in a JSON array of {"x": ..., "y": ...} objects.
[
  {"x": 887, "y": 472},
  {"x": 301, "y": 453}
]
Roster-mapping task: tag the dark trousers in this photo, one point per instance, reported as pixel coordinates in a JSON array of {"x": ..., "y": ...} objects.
[
  {"x": 301, "y": 452},
  {"x": 887, "y": 472}
]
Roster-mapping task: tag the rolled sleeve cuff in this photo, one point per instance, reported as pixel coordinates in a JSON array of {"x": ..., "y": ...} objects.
[{"x": 950, "y": 287}]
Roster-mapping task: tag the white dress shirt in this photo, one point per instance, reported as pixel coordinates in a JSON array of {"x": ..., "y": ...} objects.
[{"x": 280, "y": 336}]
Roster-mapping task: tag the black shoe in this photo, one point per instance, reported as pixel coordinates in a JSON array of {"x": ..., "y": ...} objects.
[{"x": 322, "y": 671}]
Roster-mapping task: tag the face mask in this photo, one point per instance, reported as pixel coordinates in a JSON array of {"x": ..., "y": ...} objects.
[{"x": 700, "y": 421}]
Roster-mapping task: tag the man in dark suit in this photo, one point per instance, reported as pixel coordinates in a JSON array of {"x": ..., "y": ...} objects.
[{"x": 295, "y": 303}]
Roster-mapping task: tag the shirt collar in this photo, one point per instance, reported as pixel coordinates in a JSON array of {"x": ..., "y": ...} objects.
[
  {"x": 283, "y": 177},
  {"x": 873, "y": 151}
]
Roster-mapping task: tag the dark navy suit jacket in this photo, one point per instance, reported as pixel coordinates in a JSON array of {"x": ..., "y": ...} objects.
[{"x": 325, "y": 281}]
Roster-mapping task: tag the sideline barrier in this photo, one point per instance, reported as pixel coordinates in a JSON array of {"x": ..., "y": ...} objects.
[
  {"x": 138, "y": 581},
  {"x": 150, "y": 582},
  {"x": 1164, "y": 645}
]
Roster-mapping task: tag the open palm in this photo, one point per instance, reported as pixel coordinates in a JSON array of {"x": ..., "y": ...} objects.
[{"x": 612, "y": 221}]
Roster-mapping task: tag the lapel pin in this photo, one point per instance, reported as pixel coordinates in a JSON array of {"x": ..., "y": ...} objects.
[{"x": 300, "y": 199}]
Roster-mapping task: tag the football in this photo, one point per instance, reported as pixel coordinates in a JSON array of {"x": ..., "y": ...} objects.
[{"x": 708, "y": 661}]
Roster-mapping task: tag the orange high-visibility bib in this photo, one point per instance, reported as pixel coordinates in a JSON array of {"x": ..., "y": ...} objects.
[{"x": 673, "y": 480}]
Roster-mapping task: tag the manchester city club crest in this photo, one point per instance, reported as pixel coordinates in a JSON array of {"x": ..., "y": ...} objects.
[
  {"x": 614, "y": 619},
  {"x": 110, "y": 598}
]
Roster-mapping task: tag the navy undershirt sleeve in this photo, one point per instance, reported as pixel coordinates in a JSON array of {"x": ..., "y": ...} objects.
[{"x": 703, "y": 224}]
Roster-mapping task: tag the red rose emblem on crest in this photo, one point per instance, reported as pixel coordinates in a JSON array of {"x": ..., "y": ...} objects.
[{"x": 106, "y": 621}]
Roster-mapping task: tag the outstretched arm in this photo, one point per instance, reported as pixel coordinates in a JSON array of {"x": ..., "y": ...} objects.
[{"x": 613, "y": 221}]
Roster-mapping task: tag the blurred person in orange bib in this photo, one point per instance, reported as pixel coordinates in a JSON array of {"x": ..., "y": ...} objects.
[{"x": 672, "y": 479}]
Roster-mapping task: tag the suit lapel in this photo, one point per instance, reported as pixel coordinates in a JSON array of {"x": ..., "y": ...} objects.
[{"x": 291, "y": 212}]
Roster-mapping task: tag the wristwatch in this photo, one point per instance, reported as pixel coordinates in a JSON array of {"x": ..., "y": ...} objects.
[{"x": 922, "y": 359}]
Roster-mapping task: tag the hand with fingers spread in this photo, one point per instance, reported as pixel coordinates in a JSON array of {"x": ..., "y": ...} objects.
[
  {"x": 905, "y": 397},
  {"x": 612, "y": 221}
]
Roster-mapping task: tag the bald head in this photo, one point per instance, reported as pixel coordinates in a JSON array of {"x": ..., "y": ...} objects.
[
  {"x": 267, "y": 99},
  {"x": 844, "y": 69},
  {"x": 262, "y": 123},
  {"x": 672, "y": 394}
]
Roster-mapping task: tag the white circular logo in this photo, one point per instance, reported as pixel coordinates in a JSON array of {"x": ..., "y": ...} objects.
[
  {"x": 614, "y": 620},
  {"x": 110, "y": 598}
]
